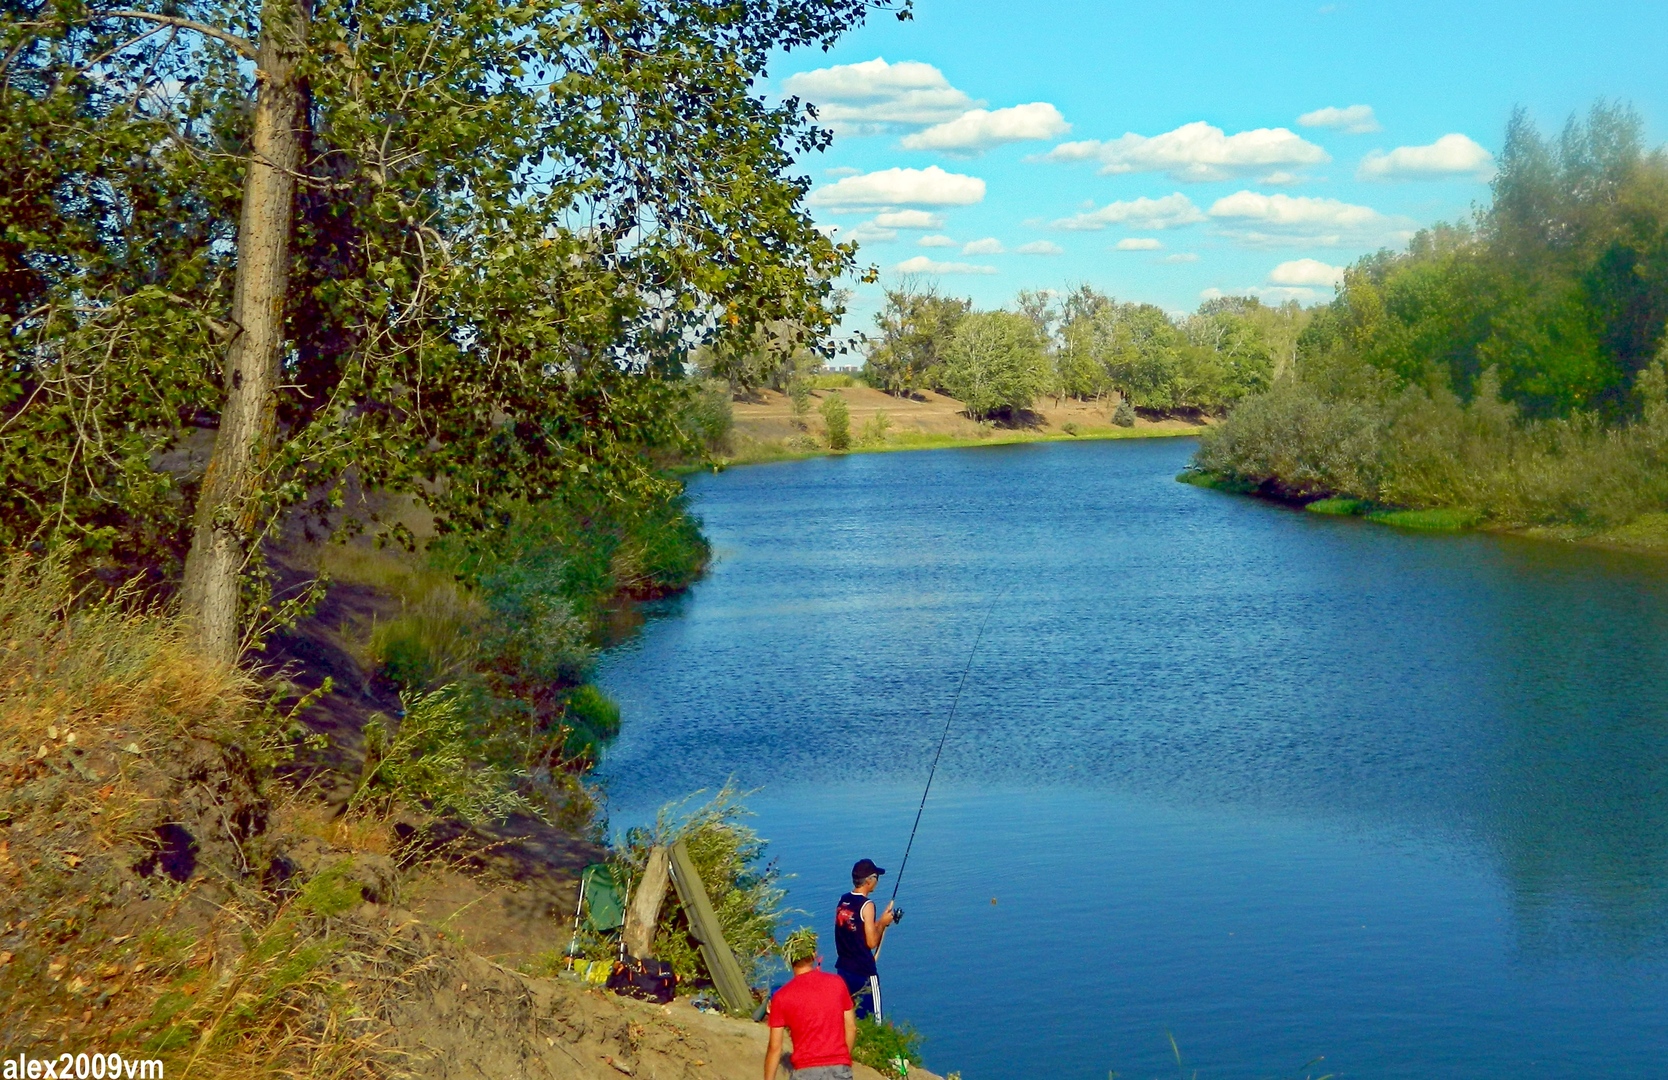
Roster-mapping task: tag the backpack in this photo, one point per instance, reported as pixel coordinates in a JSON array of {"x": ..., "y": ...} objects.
[{"x": 645, "y": 978}]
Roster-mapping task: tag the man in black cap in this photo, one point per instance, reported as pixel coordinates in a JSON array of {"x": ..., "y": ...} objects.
[{"x": 857, "y": 934}]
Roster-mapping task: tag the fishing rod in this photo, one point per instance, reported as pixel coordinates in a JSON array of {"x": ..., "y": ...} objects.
[{"x": 897, "y": 883}]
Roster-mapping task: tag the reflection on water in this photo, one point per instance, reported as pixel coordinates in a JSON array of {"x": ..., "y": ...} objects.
[
  {"x": 1424, "y": 774},
  {"x": 1581, "y": 802}
]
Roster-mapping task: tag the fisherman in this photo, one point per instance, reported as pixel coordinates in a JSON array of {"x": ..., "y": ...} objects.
[
  {"x": 816, "y": 1010},
  {"x": 857, "y": 934}
]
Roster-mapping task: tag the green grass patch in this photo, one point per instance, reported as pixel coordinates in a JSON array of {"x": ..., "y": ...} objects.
[
  {"x": 1440, "y": 519},
  {"x": 1199, "y": 478},
  {"x": 1338, "y": 507}
]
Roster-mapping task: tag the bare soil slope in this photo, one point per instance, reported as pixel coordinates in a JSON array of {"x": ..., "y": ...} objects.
[{"x": 767, "y": 416}]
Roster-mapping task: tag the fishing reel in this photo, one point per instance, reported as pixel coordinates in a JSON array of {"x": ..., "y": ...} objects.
[{"x": 897, "y": 915}]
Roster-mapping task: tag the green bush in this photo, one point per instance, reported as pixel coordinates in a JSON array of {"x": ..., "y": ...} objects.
[
  {"x": 875, "y": 429},
  {"x": 1420, "y": 449},
  {"x": 799, "y": 396},
  {"x": 745, "y": 889},
  {"x": 1124, "y": 414},
  {"x": 708, "y": 416},
  {"x": 431, "y": 762},
  {"x": 836, "y": 416},
  {"x": 881, "y": 1045}
]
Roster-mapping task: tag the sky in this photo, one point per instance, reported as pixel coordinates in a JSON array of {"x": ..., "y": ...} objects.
[{"x": 1171, "y": 152}]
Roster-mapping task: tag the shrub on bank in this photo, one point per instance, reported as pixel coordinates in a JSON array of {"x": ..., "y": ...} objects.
[
  {"x": 745, "y": 889},
  {"x": 1420, "y": 449},
  {"x": 891, "y": 1049},
  {"x": 836, "y": 417}
]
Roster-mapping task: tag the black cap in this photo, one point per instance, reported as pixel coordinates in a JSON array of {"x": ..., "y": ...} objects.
[{"x": 864, "y": 868}]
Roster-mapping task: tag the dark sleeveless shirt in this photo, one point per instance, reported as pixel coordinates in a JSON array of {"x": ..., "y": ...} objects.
[{"x": 849, "y": 938}]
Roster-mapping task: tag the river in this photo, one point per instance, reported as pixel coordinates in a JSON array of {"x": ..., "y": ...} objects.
[{"x": 1278, "y": 785}]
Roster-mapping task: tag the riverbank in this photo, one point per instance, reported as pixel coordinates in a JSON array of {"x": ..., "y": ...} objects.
[
  {"x": 359, "y": 852},
  {"x": 766, "y": 427},
  {"x": 1646, "y": 534}
]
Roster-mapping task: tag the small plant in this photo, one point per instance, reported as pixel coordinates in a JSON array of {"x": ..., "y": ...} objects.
[
  {"x": 1124, "y": 414},
  {"x": 836, "y": 416},
  {"x": 874, "y": 431},
  {"x": 799, "y": 396},
  {"x": 1069, "y": 428},
  {"x": 888, "y": 1048}
]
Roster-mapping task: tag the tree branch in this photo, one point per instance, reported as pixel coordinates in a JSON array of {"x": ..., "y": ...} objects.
[{"x": 242, "y": 45}]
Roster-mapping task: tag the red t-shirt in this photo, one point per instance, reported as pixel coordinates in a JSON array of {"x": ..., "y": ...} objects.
[{"x": 813, "y": 1008}]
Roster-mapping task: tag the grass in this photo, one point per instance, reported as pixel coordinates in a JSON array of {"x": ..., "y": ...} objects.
[
  {"x": 1338, "y": 507},
  {"x": 114, "y": 734},
  {"x": 1438, "y": 519}
]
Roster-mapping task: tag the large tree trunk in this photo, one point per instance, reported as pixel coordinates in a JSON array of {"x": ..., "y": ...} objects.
[
  {"x": 227, "y": 507},
  {"x": 644, "y": 914}
]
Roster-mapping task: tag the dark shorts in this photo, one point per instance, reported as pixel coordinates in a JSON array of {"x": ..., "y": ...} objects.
[{"x": 865, "y": 993}]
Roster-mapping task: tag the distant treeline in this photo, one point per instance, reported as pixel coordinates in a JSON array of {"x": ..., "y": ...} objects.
[
  {"x": 1083, "y": 345},
  {"x": 1512, "y": 367}
]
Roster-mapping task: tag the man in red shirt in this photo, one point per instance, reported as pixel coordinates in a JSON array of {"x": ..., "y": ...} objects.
[{"x": 816, "y": 1009}]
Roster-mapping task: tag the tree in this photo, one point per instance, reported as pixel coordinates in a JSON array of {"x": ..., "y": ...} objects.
[
  {"x": 457, "y": 247},
  {"x": 1085, "y": 332},
  {"x": 995, "y": 363},
  {"x": 916, "y": 327}
]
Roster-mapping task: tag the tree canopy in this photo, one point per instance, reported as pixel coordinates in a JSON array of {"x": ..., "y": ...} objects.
[
  {"x": 509, "y": 225},
  {"x": 1560, "y": 285}
]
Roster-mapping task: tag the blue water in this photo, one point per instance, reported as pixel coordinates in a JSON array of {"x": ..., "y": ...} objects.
[{"x": 1279, "y": 785}]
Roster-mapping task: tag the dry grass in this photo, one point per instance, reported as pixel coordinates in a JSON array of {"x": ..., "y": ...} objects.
[{"x": 123, "y": 755}]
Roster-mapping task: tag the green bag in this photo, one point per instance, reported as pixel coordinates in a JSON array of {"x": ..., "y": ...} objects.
[{"x": 604, "y": 899}]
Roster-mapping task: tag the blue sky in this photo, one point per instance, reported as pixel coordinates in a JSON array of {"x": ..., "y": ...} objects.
[{"x": 1163, "y": 151}]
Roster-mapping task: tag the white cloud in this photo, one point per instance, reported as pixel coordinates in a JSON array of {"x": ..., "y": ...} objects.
[
  {"x": 1351, "y": 120},
  {"x": 937, "y": 241},
  {"x": 841, "y": 170},
  {"x": 1040, "y": 247},
  {"x": 1273, "y": 220},
  {"x": 1137, "y": 243},
  {"x": 870, "y": 233},
  {"x": 1280, "y": 178},
  {"x": 931, "y": 186},
  {"x": 909, "y": 219},
  {"x": 978, "y": 130},
  {"x": 988, "y": 246},
  {"x": 1181, "y": 257},
  {"x": 1306, "y": 272},
  {"x": 1278, "y": 294},
  {"x": 1196, "y": 152},
  {"x": 920, "y": 264},
  {"x": 874, "y": 97},
  {"x": 1448, "y": 157},
  {"x": 1169, "y": 212}
]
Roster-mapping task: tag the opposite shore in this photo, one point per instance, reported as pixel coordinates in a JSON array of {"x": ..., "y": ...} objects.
[{"x": 767, "y": 429}]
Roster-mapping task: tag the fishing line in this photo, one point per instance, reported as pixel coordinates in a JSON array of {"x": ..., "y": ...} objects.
[{"x": 932, "y": 772}]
